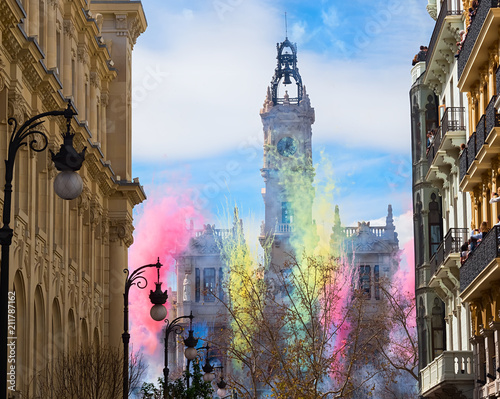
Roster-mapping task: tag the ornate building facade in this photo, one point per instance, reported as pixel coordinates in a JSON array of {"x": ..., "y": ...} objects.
[
  {"x": 448, "y": 372},
  {"x": 67, "y": 257}
]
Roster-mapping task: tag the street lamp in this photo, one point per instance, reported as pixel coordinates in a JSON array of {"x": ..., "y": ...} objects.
[
  {"x": 68, "y": 187},
  {"x": 190, "y": 342},
  {"x": 158, "y": 311},
  {"x": 208, "y": 368},
  {"x": 222, "y": 391}
]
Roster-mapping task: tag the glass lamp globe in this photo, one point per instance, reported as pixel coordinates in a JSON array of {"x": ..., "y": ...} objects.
[
  {"x": 158, "y": 312},
  {"x": 208, "y": 377},
  {"x": 221, "y": 392},
  {"x": 190, "y": 353},
  {"x": 68, "y": 185}
]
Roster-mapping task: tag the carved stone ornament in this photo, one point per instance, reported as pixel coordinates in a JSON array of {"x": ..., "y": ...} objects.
[
  {"x": 68, "y": 28},
  {"x": 121, "y": 21},
  {"x": 95, "y": 80},
  {"x": 121, "y": 230},
  {"x": 205, "y": 243}
]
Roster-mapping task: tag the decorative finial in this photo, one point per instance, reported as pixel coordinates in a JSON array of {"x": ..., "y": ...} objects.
[{"x": 286, "y": 27}]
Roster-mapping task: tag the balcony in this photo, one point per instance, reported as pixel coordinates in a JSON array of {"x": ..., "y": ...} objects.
[
  {"x": 481, "y": 35},
  {"x": 482, "y": 268},
  {"x": 285, "y": 228},
  {"x": 451, "y": 368},
  {"x": 451, "y": 244},
  {"x": 440, "y": 52},
  {"x": 446, "y": 146},
  {"x": 445, "y": 263},
  {"x": 483, "y": 146}
]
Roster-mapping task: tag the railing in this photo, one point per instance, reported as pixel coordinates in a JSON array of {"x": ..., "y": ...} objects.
[
  {"x": 445, "y": 11},
  {"x": 285, "y": 228},
  {"x": 464, "y": 166},
  {"x": 220, "y": 233},
  {"x": 498, "y": 79},
  {"x": 452, "y": 120},
  {"x": 378, "y": 231},
  {"x": 432, "y": 150},
  {"x": 450, "y": 366},
  {"x": 492, "y": 118},
  {"x": 451, "y": 243},
  {"x": 473, "y": 32},
  {"x": 480, "y": 134},
  {"x": 471, "y": 149},
  {"x": 485, "y": 252}
]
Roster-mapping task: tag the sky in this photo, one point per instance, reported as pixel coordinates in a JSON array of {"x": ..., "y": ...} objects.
[{"x": 200, "y": 75}]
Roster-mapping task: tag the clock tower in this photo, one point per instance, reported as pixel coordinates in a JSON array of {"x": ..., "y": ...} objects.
[{"x": 287, "y": 170}]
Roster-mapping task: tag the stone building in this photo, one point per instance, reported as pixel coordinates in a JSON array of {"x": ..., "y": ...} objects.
[
  {"x": 67, "y": 257},
  {"x": 447, "y": 371}
]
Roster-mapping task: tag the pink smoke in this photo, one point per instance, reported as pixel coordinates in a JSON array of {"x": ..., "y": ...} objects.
[{"x": 161, "y": 232}]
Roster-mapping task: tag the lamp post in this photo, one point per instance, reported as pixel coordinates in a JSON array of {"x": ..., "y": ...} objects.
[
  {"x": 207, "y": 368},
  {"x": 222, "y": 391},
  {"x": 158, "y": 311},
  {"x": 66, "y": 160},
  {"x": 173, "y": 326}
]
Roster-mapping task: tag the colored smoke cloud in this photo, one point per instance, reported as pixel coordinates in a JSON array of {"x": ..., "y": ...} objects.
[{"x": 162, "y": 231}]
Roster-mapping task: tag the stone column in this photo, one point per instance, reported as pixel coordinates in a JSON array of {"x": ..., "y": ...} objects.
[
  {"x": 67, "y": 73},
  {"x": 92, "y": 112},
  {"x": 120, "y": 238},
  {"x": 489, "y": 347},
  {"x": 495, "y": 326},
  {"x": 51, "y": 44},
  {"x": 82, "y": 56}
]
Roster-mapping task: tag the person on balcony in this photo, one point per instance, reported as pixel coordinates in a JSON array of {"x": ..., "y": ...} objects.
[
  {"x": 495, "y": 198},
  {"x": 464, "y": 252},
  {"x": 478, "y": 235}
]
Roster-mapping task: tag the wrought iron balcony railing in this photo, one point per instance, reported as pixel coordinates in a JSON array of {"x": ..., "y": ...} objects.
[
  {"x": 471, "y": 149},
  {"x": 492, "y": 117},
  {"x": 478, "y": 259},
  {"x": 473, "y": 32},
  {"x": 451, "y": 243},
  {"x": 488, "y": 121},
  {"x": 464, "y": 166},
  {"x": 452, "y": 120},
  {"x": 480, "y": 133}
]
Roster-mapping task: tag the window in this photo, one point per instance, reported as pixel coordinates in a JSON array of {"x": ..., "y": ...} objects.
[
  {"x": 286, "y": 212},
  {"x": 364, "y": 281},
  {"x": 209, "y": 284},
  {"x": 376, "y": 278},
  {"x": 435, "y": 224},
  {"x": 197, "y": 285}
]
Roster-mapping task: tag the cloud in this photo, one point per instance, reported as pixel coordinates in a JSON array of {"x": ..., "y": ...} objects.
[
  {"x": 198, "y": 91},
  {"x": 330, "y": 17}
]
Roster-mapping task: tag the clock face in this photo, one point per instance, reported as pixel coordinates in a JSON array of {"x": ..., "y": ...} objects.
[{"x": 287, "y": 146}]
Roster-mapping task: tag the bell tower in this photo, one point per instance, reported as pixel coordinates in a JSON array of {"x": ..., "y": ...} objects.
[{"x": 287, "y": 169}]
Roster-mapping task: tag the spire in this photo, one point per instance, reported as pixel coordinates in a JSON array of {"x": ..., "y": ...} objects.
[
  {"x": 389, "y": 219},
  {"x": 285, "y": 70}
]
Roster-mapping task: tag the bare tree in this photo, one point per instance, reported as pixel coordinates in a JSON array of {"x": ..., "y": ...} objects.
[
  {"x": 400, "y": 351},
  {"x": 91, "y": 373},
  {"x": 298, "y": 332}
]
